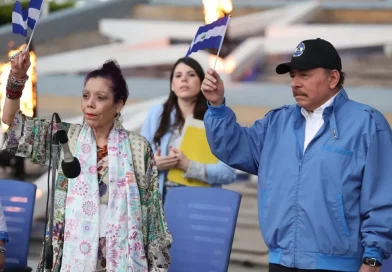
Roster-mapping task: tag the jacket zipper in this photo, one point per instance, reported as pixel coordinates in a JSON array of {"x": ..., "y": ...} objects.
[
  {"x": 297, "y": 213},
  {"x": 302, "y": 156}
]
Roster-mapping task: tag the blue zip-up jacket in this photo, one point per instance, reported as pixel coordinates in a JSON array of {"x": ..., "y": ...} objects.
[
  {"x": 327, "y": 207},
  {"x": 218, "y": 173}
]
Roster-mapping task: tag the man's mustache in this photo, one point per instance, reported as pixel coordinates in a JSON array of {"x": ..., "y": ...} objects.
[{"x": 299, "y": 93}]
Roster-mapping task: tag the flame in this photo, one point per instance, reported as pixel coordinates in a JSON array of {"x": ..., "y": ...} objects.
[
  {"x": 220, "y": 63},
  {"x": 28, "y": 101},
  {"x": 216, "y": 9},
  {"x": 225, "y": 66},
  {"x": 230, "y": 65}
]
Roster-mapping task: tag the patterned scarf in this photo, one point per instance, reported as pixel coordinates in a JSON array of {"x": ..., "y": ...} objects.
[{"x": 124, "y": 238}]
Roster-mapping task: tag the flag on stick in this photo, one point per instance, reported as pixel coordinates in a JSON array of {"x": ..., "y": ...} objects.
[
  {"x": 19, "y": 20},
  {"x": 210, "y": 36},
  {"x": 35, "y": 8},
  {"x": 23, "y": 19}
]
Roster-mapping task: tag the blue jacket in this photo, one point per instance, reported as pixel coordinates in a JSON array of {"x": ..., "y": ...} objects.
[
  {"x": 327, "y": 207},
  {"x": 218, "y": 173}
]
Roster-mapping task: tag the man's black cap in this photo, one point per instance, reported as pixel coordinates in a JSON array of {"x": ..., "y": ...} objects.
[{"x": 310, "y": 54}]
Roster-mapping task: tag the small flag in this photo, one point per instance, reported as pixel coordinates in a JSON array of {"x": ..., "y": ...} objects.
[
  {"x": 21, "y": 19},
  {"x": 35, "y": 7},
  {"x": 209, "y": 36}
]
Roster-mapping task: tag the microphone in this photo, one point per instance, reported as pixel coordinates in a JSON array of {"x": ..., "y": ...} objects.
[{"x": 70, "y": 164}]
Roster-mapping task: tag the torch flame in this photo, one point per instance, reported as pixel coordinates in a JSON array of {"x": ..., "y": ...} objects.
[
  {"x": 225, "y": 66},
  {"x": 28, "y": 101},
  {"x": 216, "y": 9}
]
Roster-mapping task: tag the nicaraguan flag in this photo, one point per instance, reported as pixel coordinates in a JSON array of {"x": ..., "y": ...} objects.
[
  {"x": 21, "y": 19},
  {"x": 209, "y": 36},
  {"x": 34, "y": 12}
]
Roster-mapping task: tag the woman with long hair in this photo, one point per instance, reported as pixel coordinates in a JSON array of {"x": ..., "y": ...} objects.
[{"x": 164, "y": 124}]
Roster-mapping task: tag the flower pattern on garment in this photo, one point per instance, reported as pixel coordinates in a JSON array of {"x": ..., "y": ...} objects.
[
  {"x": 29, "y": 137},
  {"x": 123, "y": 250}
]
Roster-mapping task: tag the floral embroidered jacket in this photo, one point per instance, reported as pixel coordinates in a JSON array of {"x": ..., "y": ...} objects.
[{"x": 30, "y": 138}]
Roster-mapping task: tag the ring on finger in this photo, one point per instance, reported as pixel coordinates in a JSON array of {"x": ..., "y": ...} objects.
[{"x": 15, "y": 55}]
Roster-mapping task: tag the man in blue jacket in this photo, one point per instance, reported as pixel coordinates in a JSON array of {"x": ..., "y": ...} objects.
[{"x": 324, "y": 167}]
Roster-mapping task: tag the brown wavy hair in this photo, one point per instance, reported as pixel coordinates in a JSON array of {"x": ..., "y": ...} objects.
[{"x": 172, "y": 103}]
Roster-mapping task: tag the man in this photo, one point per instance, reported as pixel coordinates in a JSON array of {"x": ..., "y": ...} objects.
[
  {"x": 324, "y": 167},
  {"x": 3, "y": 237}
]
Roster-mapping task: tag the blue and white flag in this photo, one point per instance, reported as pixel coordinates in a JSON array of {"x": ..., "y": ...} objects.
[
  {"x": 35, "y": 7},
  {"x": 209, "y": 36},
  {"x": 21, "y": 19}
]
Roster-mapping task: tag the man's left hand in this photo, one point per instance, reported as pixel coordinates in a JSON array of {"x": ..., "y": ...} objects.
[{"x": 368, "y": 268}]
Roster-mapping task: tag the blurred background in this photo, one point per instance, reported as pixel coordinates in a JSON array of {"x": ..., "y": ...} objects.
[{"x": 146, "y": 37}]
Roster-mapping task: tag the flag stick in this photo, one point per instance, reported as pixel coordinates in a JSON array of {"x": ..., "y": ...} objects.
[
  {"x": 31, "y": 36},
  {"x": 35, "y": 25},
  {"x": 220, "y": 46}
]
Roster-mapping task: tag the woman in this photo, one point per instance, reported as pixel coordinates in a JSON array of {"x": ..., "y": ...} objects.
[
  {"x": 110, "y": 217},
  {"x": 3, "y": 237},
  {"x": 164, "y": 124}
]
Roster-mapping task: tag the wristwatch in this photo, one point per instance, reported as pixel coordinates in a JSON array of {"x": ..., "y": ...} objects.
[
  {"x": 2, "y": 249},
  {"x": 371, "y": 261}
]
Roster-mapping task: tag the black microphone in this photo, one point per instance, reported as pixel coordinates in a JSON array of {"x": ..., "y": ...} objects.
[{"x": 70, "y": 164}]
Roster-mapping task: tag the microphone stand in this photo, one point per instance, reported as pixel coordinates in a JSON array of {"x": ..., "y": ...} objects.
[{"x": 55, "y": 163}]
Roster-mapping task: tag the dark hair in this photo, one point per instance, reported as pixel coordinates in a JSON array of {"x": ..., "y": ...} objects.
[
  {"x": 111, "y": 71},
  {"x": 342, "y": 77},
  {"x": 172, "y": 103}
]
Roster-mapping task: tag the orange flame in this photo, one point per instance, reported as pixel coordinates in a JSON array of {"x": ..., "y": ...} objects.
[
  {"x": 216, "y": 9},
  {"x": 225, "y": 66},
  {"x": 28, "y": 101}
]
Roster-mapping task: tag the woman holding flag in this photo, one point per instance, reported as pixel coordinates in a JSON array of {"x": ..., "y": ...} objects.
[{"x": 109, "y": 218}]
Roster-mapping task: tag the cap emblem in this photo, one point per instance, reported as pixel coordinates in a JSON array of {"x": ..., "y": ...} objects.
[{"x": 299, "y": 50}]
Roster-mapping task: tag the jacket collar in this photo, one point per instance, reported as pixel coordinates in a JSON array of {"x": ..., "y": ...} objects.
[{"x": 329, "y": 113}]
